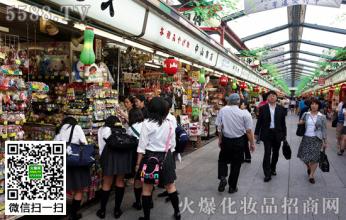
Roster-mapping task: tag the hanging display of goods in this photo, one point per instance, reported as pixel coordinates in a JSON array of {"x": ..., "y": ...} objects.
[
  {"x": 202, "y": 76},
  {"x": 87, "y": 56},
  {"x": 170, "y": 66},
  {"x": 10, "y": 70},
  {"x": 234, "y": 86},
  {"x": 332, "y": 88},
  {"x": 223, "y": 81},
  {"x": 38, "y": 87}
]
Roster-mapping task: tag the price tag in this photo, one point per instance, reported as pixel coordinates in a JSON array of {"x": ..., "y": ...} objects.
[
  {"x": 5, "y": 122},
  {"x": 4, "y": 136},
  {"x": 17, "y": 122},
  {"x": 100, "y": 84},
  {"x": 24, "y": 120}
]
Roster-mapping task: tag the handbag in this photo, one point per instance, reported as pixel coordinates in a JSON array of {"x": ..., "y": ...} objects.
[
  {"x": 301, "y": 129},
  {"x": 150, "y": 173},
  {"x": 79, "y": 155},
  {"x": 120, "y": 141},
  {"x": 286, "y": 150},
  {"x": 335, "y": 122},
  {"x": 324, "y": 163}
]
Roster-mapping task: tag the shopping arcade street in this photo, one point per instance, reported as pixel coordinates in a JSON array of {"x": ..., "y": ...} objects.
[{"x": 197, "y": 183}]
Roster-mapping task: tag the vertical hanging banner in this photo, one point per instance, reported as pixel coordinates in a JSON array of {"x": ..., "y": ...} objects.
[{"x": 253, "y": 6}]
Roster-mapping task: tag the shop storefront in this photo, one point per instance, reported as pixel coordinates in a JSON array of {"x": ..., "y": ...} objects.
[{"x": 62, "y": 67}]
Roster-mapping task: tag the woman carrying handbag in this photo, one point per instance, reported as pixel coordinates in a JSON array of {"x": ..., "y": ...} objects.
[
  {"x": 115, "y": 165},
  {"x": 314, "y": 139},
  {"x": 155, "y": 160},
  {"x": 77, "y": 178}
]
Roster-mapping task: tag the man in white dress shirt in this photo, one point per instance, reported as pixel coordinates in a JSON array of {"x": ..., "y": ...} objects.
[{"x": 235, "y": 133}]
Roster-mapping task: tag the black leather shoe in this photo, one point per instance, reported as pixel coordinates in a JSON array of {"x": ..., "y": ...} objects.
[
  {"x": 267, "y": 179},
  {"x": 177, "y": 216},
  {"x": 101, "y": 213},
  {"x": 247, "y": 160},
  {"x": 231, "y": 190},
  {"x": 117, "y": 213},
  {"x": 312, "y": 180},
  {"x": 273, "y": 173},
  {"x": 163, "y": 194},
  {"x": 222, "y": 185}
]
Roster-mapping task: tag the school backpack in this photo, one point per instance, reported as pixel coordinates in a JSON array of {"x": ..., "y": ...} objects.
[{"x": 120, "y": 141}]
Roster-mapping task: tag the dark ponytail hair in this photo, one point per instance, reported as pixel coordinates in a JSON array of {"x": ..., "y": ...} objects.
[
  {"x": 68, "y": 120},
  {"x": 135, "y": 116},
  {"x": 158, "y": 110},
  {"x": 111, "y": 122}
]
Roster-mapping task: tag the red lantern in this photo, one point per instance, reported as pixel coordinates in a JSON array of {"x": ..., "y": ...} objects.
[
  {"x": 170, "y": 66},
  {"x": 243, "y": 85},
  {"x": 343, "y": 87},
  {"x": 256, "y": 89},
  {"x": 223, "y": 81}
]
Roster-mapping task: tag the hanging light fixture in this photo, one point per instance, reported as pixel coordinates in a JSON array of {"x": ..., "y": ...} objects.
[{"x": 87, "y": 57}]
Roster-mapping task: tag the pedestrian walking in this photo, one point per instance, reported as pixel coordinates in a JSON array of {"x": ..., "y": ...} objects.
[
  {"x": 314, "y": 139},
  {"x": 235, "y": 133},
  {"x": 247, "y": 155},
  {"x": 271, "y": 128},
  {"x": 339, "y": 127}
]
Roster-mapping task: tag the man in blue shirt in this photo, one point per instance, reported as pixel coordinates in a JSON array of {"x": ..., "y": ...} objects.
[{"x": 302, "y": 104}]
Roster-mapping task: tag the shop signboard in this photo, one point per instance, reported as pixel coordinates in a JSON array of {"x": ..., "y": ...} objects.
[
  {"x": 253, "y": 6},
  {"x": 126, "y": 15},
  {"x": 163, "y": 33}
]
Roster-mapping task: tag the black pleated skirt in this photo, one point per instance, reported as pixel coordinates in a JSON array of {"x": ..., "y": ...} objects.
[
  {"x": 167, "y": 173},
  {"x": 117, "y": 162},
  {"x": 77, "y": 178}
]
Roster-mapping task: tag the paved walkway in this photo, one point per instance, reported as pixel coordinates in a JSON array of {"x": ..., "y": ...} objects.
[{"x": 197, "y": 184}]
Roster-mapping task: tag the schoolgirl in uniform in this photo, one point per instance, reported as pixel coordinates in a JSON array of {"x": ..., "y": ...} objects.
[
  {"x": 77, "y": 178},
  {"x": 114, "y": 164},
  {"x": 155, "y": 134}
]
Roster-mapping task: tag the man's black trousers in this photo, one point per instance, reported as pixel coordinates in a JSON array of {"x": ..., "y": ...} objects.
[{"x": 271, "y": 153}]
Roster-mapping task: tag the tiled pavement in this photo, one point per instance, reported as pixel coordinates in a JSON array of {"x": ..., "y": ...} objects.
[{"x": 197, "y": 183}]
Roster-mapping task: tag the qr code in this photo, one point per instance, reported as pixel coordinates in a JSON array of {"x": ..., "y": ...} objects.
[{"x": 35, "y": 180}]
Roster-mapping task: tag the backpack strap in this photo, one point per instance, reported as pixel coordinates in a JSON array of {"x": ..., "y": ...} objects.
[
  {"x": 168, "y": 141},
  {"x": 135, "y": 131},
  {"x": 71, "y": 134}
]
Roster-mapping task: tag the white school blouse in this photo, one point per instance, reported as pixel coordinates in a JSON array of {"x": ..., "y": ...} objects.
[
  {"x": 103, "y": 132},
  {"x": 77, "y": 138},
  {"x": 154, "y": 137},
  {"x": 137, "y": 127}
]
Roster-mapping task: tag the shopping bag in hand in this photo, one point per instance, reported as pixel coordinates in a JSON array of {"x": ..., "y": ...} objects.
[{"x": 324, "y": 163}]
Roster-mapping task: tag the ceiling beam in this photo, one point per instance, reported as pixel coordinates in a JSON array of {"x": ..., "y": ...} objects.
[
  {"x": 317, "y": 44},
  {"x": 315, "y": 54},
  {"x": 302, "y": 59},
  {"x": 295, "y": 68},
  {"x": 233, "y": 16},
  {"x": 324, "y": 28},
  {"x": 313, "y": 43},
  {"x": 266, "y": 32}
]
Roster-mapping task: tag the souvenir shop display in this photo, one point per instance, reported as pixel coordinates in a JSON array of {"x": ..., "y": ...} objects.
[{"x": 13, "y": 104}]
